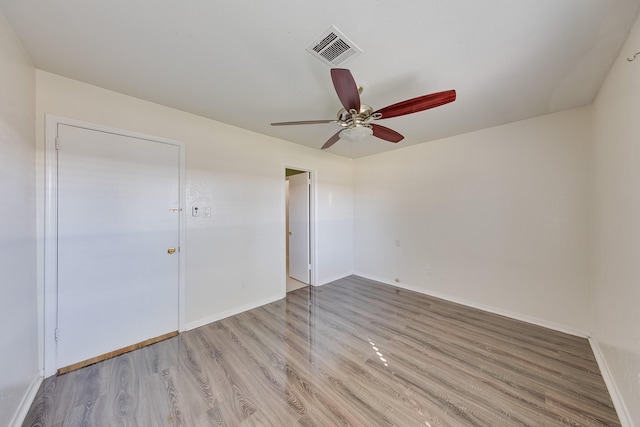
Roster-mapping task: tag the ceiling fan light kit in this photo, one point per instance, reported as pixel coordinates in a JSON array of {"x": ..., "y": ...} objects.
[
  {"x": 356, "y": 133},
  {"x": 356, "y": 118}
]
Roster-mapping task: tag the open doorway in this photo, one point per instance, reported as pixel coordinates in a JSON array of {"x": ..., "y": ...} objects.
[{"x": 298, "y": 228}]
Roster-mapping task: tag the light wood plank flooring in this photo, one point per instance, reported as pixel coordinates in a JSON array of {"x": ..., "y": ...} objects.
[{"x": 353, "y": 352}]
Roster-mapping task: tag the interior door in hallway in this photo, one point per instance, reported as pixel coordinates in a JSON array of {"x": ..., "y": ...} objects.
[
  {"x": 299, "y": 241},
  {"x": 118, "y": 235}
]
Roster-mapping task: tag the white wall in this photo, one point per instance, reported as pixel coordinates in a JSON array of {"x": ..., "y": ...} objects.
[
  {"x": 239, "y": 174},
  {"x": 498, "y": 219},
  {"x": 616, "y": 229},
  {"x": 18, "y": 299}
]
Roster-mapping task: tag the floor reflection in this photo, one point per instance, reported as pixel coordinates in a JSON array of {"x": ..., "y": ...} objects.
[{"x": 354, "y": 352}]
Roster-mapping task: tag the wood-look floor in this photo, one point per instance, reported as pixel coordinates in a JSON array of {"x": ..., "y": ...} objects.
[{"x": 354, "y": 352}]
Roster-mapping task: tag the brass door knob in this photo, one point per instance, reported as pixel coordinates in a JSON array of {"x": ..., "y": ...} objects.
[{"x": 171, "y": 250}]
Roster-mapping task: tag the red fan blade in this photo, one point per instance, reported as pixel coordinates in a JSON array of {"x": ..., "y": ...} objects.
[
  {"x": 386, "y": 133},
  {"x": 346, "y": 88},
  {"x": 304, "y": 122},
  {"x": 332, "y": 140},
  {"x": 417, "y": 104}
]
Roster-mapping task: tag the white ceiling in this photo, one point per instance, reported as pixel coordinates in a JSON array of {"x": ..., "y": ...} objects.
[{"x": 244, "y": 62}]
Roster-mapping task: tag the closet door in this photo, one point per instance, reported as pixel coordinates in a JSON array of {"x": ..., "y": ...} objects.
[{"x": 118, "y": 234}]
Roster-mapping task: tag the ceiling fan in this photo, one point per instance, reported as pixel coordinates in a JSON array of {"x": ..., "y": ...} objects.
[{"x": 356, "y": 118}]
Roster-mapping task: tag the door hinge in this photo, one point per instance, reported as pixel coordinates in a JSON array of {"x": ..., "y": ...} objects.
[
  {"x": 309, "y": 266},
  {"x": 57, "y": 143},
  {"x": 56, "y": 334}
]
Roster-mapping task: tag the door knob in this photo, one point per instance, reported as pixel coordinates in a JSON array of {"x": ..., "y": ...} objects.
[
  {"x": 171, "y": 250},
  {"x": 289, "y": 233}
]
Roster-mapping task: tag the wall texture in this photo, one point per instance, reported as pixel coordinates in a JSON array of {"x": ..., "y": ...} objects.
[
  {"x": 498, "y": 219},
  {"x": 235, "y": 259},
  {"x": 18, "y": 298},
  {"x": 616, "y": 226}
]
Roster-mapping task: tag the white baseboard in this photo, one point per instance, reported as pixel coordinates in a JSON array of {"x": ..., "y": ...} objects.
[
  {"x": 232, "y": 312},
  {"x": 616, "y": 397},
  {"x": 26, "y": 402},
  {"x": 517, "y": 316}
]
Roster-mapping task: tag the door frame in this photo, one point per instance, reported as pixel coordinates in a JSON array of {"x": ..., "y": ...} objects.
[
  {"x": 50, "y": 299},
  {"x": 312, "y": 223}
]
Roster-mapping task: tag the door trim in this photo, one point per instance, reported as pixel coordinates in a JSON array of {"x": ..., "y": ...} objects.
[
  {"x": 50, "y": 302},
  {"x": 312, "y": 224}
]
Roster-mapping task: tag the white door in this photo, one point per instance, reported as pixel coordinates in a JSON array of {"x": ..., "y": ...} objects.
[
  {"x": 118, "y": 285},
  {"x": 299, "y": 186}
]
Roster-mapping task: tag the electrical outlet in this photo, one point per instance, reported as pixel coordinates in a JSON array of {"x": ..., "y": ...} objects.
[
  {"x": 243, "y": 283},
  {"x": 195, "y": 211}
]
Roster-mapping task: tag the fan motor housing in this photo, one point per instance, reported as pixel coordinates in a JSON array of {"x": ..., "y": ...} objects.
[{"x": 351, "y": 119}]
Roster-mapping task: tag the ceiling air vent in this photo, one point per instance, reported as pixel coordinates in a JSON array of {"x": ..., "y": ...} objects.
[{"x": 333, "y": 47}]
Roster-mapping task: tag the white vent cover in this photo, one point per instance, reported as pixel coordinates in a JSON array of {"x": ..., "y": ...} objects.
[{"x": 333, "y": 47}]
